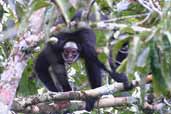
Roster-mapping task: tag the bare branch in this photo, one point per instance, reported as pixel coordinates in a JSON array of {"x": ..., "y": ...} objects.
[
  {"x": 58, "y": 4},
  {"x": 90, "y": 8},
  {"x": 74, "y": 105},
  {"x": 22, "y": 103},
  {"x": 111, "y": 26},
  {"x": 151, "y": 5}
]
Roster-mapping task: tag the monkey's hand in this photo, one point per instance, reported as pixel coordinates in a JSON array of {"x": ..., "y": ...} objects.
[{"x": 90, "y": 103}]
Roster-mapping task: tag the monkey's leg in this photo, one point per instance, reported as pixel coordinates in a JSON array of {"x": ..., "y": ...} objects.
[
  {"x": 60, "y": 75},
  {"x": 44, "y": 76}
]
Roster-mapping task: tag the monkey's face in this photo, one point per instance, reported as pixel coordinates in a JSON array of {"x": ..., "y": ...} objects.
[{"x": 70, "y": 52}]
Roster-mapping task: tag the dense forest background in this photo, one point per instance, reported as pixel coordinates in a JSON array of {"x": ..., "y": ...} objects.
[{"x": 26, "y": 26}]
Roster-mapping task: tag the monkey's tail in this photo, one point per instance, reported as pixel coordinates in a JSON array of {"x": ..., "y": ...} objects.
[{"x": 119, "y": 77}]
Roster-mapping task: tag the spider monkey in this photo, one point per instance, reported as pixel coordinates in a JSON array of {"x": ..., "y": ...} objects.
[{"x": 70, "y": 47}]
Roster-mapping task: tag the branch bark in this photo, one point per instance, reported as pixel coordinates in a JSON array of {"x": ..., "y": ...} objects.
[
  {"x": 60, "y": 106},
  {"x": 29, "y": 104},
  {"x": 17, "y": 61}
]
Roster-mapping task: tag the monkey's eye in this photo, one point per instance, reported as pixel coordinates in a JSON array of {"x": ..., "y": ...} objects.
[{"x": 70, "y": 52}]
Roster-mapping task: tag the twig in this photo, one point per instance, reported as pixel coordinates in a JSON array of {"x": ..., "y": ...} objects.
[
  {"x": 125, "y": 17},
  {"x": 61, "y": 9},
  {"x": 144, "y": 20},
  {"x": 151, "y": 6},
  {"x": 111, "y": 26},
  {"x": 89, "y": 8}
]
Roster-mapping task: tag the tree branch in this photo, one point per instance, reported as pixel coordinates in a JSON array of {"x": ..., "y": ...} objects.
[
  {"x": 111, "y": 26},
  {"x": 25, "y": 104},
  {"x": 58, "y": 4},
  {"x": 47, "y": 107},
  {"x": 17, "y": 61}
]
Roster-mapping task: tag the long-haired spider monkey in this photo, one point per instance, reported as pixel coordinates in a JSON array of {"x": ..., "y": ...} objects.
[{"x": 70, "y": 47}]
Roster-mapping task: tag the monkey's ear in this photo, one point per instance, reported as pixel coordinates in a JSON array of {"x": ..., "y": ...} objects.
[{"x": 52, "y": 40}]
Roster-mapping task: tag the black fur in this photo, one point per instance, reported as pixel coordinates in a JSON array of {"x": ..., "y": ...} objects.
[
  {"x": 119, "y": 77},
  {"x": 51, "y": 57}
]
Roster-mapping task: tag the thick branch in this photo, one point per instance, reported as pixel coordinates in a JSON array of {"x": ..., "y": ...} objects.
[
  {"x": 75, "y": 105},
  {"x": 21, "y": 103},
  {"x": 17, "y": 61}
]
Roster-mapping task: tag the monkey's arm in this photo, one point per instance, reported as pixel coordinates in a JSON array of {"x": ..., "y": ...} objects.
[
  {"x": 60, "y": 75},
  {"x": 41, "y": 69}
]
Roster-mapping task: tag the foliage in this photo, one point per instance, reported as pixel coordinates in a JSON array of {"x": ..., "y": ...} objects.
[{"x": 27, "y": 85}]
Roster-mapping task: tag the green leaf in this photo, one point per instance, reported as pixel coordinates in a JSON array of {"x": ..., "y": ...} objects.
[
  {"x": 134, "y": 50},
  {"x": 104, "y": 4},
  {"x": 118, "y": 44},
  {"x": 37, "y": 4},
  {"x": 1, "y": 11},
  {"x": 122, "y": 67},
  {"x": 141, "y": 60},
  {"x": 102, "y": 57},
  {"x": 127, "y": 30},
  {"x": 159, "y": 83},
  {"x": 166, "y": 59},
  {"x": 20, "y": 10},
  {"x": 100, "y": 38},
  {"x": 27, "y": 86}
]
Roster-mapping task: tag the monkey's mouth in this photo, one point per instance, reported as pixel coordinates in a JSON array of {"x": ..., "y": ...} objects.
[{"x": 70, "y": 60}]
